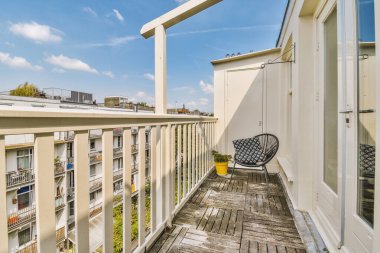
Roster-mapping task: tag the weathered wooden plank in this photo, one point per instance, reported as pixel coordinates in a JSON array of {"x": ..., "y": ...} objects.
[{"x": 224, "y": 225}]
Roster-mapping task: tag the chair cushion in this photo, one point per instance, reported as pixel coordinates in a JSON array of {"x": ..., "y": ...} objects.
[{"x": 248, "y": 151}]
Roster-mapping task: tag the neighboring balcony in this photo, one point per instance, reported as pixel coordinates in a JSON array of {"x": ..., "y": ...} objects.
[
  {"x": 59, "y": 202},
  {"x": 60, "y": 235},
  {"x": 30, "y": 247},
  {"x": 19, "y": 177},
  {"x": 21, "y": 217},
  {"x": 59, "y": 169}
]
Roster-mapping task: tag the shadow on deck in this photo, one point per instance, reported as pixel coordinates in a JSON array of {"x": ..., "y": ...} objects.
[{"x": 244, "y": 215}]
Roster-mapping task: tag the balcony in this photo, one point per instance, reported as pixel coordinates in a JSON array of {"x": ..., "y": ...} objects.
[
  {"x": 60, "y": 235},
  {"x": 21, "y": 217},
  {"x": 59, "y": 169},
  {"x": 198, "y": 141},
  {"x": 30, "y": 247},
  {"x": 19, "y": 177},
  {"x": 59, "y": 202}
]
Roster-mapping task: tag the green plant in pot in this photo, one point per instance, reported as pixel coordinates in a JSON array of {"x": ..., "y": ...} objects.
[{"x": 221, "y": 162}]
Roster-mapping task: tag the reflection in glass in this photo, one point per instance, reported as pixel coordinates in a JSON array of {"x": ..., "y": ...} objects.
[
  {"x": 331, "y": 102},
  {"x": 366, "y": 109}
]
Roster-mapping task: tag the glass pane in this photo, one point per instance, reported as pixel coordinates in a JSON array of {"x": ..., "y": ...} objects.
[
  {"x": 24, "y": 236},
  {"x": 331, "y": 103},
  {"x": 366, "y": 104}
]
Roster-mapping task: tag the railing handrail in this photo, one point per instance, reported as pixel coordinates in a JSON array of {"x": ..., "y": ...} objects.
[{"x": 44, "y": 120}]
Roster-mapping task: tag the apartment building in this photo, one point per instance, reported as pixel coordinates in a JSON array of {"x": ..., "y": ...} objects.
[{"x": 20, "y": 176}]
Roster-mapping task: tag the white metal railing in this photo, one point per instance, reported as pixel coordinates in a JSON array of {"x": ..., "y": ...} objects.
[
  {"x": 20, "y": 176},
  {"x": 179, "y": 158},
  {"x": 21, "y": 217}
]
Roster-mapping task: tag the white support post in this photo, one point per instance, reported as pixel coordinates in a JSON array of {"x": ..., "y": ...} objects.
[
  {"x": 155, "y": 179},
  {"x": 45, "y": 189},
  {"x": 107, "y": 189},
  {"x": 82, "y": 197},
  {"x": 127, "y": 184},
  {"x": 193, "y": 156},
  {"x": 3, "y": 199},
  {"x": 185, "y": 164},
  {"x": 141, "y": 206},
  {"x": 160, "y": 69},
  {"x": 189, "y": 157}
]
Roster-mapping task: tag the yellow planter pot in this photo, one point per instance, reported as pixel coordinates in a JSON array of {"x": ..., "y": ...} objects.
[{"x": 221, "y": 168}]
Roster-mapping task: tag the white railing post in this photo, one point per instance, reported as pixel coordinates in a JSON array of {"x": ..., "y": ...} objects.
[
  {"x": 189, "y": 157},
  {"x": 171, "y": 156},
  {"x": 141, "y": 190},
  {"x": 185, "y": 164},
  {"x": 160, "y": 187},
  {"x": 127, "y": 184},
  {"x": 82, "y": 198},
  {"x": 193, "y": 182},
  {"x": 3, "y": 199},
  {"x": 45, "y": 199},
  {"x": 155, "y": 179},
  {"x": 197, "y": 163},
  {"x": 160, "y": 69},
  {"x": 179, "y": 160},
  {"x": 107, "y": 189}
]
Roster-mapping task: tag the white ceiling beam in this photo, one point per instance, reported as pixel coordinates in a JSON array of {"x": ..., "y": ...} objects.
[{"x": 177, "y": 15}]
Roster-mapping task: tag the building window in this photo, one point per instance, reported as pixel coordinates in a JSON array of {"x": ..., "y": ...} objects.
[
  {"x": 71, "y": 208},
  {"x": 331, "y": 102},
  {"x": 92, "y": 144},
  {"x": 119, "y": 142},
  {"x": 92, "y": 171},
  {"x": 24, "y": 158},
  {"x": 366, "y": 87},
  {"x": 92, "y": 196},
  {"x": 70, "y": 152},
  {"x": 24, "y": 236},
  {"x": 119, "y": 163},
  {"x": 24, "y": 197}
]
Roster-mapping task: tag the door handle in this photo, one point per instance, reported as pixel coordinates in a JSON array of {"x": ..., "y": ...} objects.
[{"x": 347, "y": 111}]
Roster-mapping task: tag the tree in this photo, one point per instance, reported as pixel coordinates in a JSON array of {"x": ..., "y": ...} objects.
[{"x": 26, "y": 90}]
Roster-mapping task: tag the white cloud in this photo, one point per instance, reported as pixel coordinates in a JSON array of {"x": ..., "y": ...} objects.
[
  {"x": 203, "y": 101},
  {"x": 266, "y": 28},
  {"x": 90, "y": 11},
  {"x": 118, "y": 15},
  {"x": 9, "y": 44},
  {"x": 191, "y": 103},
  {"x": 113, "y": 42},
  {"x": 140, "y": 94},
  {"x": 58, "y": 70},
  {"x": 125, "y": 77},
  {"x": 207, "y": 88},
  {"x": 70, "y": 63},
  {"x": 36, "y": 32},
  {"x": 17, "y": 62},
  {"x": 187, "y": 89},
  {"x": 109, "y": 74},
  {"x": 149, "y": 76},
  {"x": 181, "y": 1}
]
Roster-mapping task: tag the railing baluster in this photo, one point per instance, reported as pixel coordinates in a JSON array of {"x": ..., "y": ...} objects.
[
  {"x": 179, "y": 168},
  {"x": 203, "y": 150},
  {"x": 185, "y": 164},
  {"x": 193, "y": 155},
  {"x": 209, "y": 146},
  {"x": 155, "y": 178},
  {"x": 170, "y": 140},
  {"x": 189, "y": 157},
  {"x": 45, "y": 199},
  {"x": 82, "y": 198},
  {"x": 127, "y": 203},
  {"x": 141, "y": 198},
  {"x": 3, "y": 199},
  {"x": 197, "y": 164},
  {"x": 107, "y": 190}
]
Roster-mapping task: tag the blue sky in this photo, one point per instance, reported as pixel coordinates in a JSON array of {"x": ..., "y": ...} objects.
[{"x": 95, "y": 46}]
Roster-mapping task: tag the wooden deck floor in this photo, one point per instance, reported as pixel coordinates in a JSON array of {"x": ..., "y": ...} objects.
[{"x": 244, "y": 215}]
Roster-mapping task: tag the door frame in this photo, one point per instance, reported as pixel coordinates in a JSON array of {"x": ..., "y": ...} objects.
[
  {"x": 327, "y": 203},
  {"x": 359, "y": 235}
]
